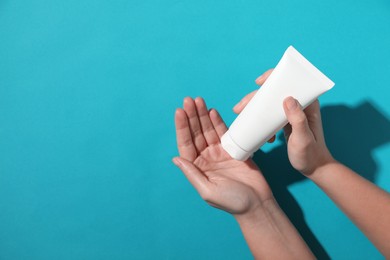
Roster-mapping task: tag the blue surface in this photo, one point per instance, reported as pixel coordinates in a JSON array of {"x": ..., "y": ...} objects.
[{"x": 87, "y": 95}]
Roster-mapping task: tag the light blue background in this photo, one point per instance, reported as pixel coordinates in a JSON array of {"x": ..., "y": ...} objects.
[{"x": 87, "y": 95}]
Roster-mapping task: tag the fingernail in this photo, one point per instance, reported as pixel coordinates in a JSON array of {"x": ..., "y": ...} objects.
[
  {"x": 259, "y": 79},
  {"x": 176, "y": 161},
  {"x": 237, "y": 106},
  {"x": 291, "y": 104}
]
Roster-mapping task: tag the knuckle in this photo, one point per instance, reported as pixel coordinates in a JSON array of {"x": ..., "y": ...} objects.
[
  {"x": 208, "y": 128},
  {"x": 300, "y": 119},
  {"x": 306, "y": 143},
  {"x": 197, "y": 132},
  {"x": 185, "y": 143},
  {"x": 205, "y": 195},
  {"x": 316, "y": 116}
]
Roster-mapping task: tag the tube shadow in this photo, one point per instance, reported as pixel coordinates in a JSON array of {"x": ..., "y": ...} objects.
[{"x": 351, "y": 133}]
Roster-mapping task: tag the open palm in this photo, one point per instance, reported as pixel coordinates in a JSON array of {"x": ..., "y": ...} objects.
[{"x": 223, "y": 182}]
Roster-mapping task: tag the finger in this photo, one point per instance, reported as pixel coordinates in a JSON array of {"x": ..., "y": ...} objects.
[
  {"x": 207, "y": 127},
  {"x": 218, "y": 123},
  {"x": 194, "y": 175},
  {"x": 185, "y": 144},
  {"x": 243, "y": 102},
  {"x": 196, "y": 131},
  {"x": 297, "y": 119},
  {"x": 313, "y": 115},
  {"x": 313, "y": 107},
  {"x": 260, "y": 80}
]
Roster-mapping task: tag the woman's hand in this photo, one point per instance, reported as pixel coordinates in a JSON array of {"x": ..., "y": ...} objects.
[
  {"x": 306, "y": 146},
  {"x": 233, "y": 186},
  {"x": 304, "y": 135}
]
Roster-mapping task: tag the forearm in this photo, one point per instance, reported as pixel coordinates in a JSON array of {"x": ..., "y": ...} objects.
[
  {"x": 270, "y": 234},
  {"x": 365, "y": 204}
]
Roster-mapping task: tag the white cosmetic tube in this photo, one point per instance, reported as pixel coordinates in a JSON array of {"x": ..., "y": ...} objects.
[{"x": 264, "y": 115}]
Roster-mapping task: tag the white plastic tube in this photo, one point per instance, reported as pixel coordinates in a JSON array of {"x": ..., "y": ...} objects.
[{"x": 263, "y": 116}]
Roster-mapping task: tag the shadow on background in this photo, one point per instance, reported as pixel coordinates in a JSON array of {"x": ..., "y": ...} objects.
[{"x": 351, "y": 133}]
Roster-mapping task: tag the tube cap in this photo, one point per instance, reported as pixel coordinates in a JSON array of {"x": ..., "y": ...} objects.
[{"x": 233, "y": 149}]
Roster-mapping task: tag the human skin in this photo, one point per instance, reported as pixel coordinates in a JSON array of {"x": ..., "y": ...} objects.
[
  {"x": 237, "y": 187},
  {"x": 364, "y": 203}
]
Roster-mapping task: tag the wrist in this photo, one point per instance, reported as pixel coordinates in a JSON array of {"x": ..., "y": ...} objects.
[
  {"x": 270, "y": 234},
  {"x": 320, "y": 161},
  {"x": 258, "y": 214},
  {"x": 323, "y": 169}
]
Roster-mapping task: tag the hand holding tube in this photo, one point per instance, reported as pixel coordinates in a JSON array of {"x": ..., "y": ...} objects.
[
  {"x": 364, "y": 203},
  {"x": 306, "y": 146},
  {"x": 304, "y": 135}
]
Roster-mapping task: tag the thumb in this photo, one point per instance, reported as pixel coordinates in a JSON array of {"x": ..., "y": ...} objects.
[
  {"x": 194, "y": 175},
  {"x": 297, "y": 119}
]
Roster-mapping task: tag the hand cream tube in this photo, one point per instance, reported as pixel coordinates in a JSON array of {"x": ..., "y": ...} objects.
[{"x": 264, "y": 115}]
